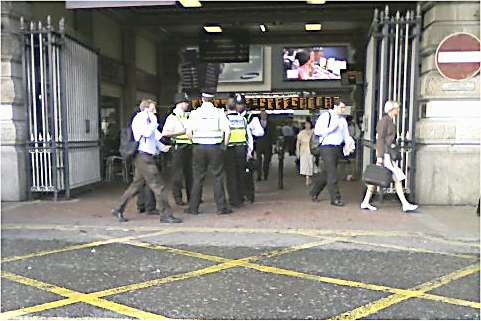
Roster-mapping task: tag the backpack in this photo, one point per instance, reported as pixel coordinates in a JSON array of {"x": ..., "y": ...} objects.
[
  {"x": 315, "y": 142},
  {"x": 128, "y": 145}
]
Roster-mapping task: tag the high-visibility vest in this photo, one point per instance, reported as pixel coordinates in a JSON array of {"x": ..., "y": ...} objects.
[
  {"x": 208, "y": 131},
  {"x": 238, "y": 129},
  {"x": 182, "y": 139}
]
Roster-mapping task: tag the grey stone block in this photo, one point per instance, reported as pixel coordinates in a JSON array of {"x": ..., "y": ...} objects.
[{"x": 14, "y": 173}]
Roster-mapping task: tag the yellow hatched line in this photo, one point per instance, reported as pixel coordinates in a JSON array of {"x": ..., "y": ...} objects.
[
  {"x": 305, "y": 232},
  {"x": 376, "y": 306},
  {"x": 82, "y": 246},
  {"x": 323, "y": 279},
  {"x": 73, "y": 297},
  {"x": 402, "y": 248},
  {"x": 227, "y": 264}
]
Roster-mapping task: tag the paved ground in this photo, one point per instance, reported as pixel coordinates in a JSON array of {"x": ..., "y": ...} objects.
[{"x": 282, "y": 258}]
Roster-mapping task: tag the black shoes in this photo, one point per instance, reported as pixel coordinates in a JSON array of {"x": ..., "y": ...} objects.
[
  {"x": 180, "y": 203},
  {"x": 153, "y": 212},
  {"x": 315, "y": 199},
  {"x": 169, "y": 218},
  {"x": 224, "y": 211},
  {"x": 118, "y": 213},
  {"x": 337, "y": 202},
  {"x": 189, "y": 211}
]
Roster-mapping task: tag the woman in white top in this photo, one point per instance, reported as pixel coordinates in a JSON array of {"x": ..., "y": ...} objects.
[{"x": 303, "y": 152}]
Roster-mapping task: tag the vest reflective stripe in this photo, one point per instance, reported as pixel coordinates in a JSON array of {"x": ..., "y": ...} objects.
[
  {"x": 182, "y": 139},
  {"x": 238, "y": 131},
  {"x": 208, "y": 131}
]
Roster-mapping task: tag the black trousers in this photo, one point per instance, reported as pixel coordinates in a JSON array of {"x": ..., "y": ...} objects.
[
  {"x": 207, "y": 158},
  {"x": 145, "y": 199},
  {"x": 235, "y": 172},
  {"x": 264, "y": 156},
  {"x": 181, "y": 170},
  {"x": 328, "y": 172}
]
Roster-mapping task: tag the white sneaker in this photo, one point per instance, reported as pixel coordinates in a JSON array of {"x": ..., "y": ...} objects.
[
  {"x": 409, "y": 207},
  {"x": 367, "y": 206}
]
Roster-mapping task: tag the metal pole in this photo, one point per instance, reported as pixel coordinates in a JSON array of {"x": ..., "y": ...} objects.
[
  {"x": 373, "y": 118},
  {"x": 384, "y": 57},
  {"x": 52, "y": 108},
  {"x": 404, "y": 98},
  {"x": 28, "y": 115},
  {"x": 64, "y": 108}
]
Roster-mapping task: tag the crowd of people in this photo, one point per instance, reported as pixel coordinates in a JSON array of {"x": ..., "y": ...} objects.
[{"x": 232, "y": 144}]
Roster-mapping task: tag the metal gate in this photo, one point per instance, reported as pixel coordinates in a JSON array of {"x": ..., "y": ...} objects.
[
  {"x": 62, "y": 97},
  {"x": 392, "y": 70}
]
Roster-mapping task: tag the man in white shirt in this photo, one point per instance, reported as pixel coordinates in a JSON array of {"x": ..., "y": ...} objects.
[
  {"x": 332, "y": 130},
  {"x": 254, "y": 130},
  {"x": 144, "y": 129},
  {"x": 209, "y": 130},
  {"x": 175, "y": 127}
]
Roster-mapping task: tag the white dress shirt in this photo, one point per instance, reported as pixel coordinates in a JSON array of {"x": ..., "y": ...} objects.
[
  {"x": 334, "y": 134},
  {"x": 254, "y": 128},
  {"x": 144, "y": 128}
]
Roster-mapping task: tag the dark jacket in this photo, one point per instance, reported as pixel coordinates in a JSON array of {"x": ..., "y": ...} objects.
[
  {"x": 267, "y": 139},
  {"x": 386, "y": 135}
]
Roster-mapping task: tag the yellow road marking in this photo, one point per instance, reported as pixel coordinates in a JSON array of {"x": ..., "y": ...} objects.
[
  {"x": 74, "y": 296},
  {"x": 323, "y": 279},
  {"x": 82, "y": 246},
  {"x": 376, "y": 306},
  {"x": 305, "y": 232},
  {"x": 178, "y": 277}
]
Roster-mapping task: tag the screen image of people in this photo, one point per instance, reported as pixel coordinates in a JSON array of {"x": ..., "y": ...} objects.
[{"x": 314, "y": 63}]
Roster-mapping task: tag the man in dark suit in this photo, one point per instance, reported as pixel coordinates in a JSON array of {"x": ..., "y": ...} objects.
[{"x": 264, "y": 147}]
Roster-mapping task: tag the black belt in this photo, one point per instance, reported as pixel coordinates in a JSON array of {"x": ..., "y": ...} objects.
[
  {"x": 330, "y": 146},
  {"x": 145, "y": 154}
]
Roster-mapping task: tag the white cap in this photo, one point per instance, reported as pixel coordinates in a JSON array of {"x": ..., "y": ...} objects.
[
  {"x": 207, "y": 95},
  {"x": 389, "y": 105}
]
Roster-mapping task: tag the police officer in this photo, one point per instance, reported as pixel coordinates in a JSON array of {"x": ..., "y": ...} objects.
[
  {"x": 240, "y": 146},
  {"x": 209, "y": 130},
  {"x": 254, "y": 129},
  {"x": 175, "y": 127}
]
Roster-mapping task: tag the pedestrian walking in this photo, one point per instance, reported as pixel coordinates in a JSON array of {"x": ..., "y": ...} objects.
[
  {"x": 145, "y": 132},
  {"x": 264, "y": 147},
  {"x": 332, "y": 130},
  {"x": 240, "y": 148},
  {"x": 289, "y": 137},
  {"x": 209, "y": 129},
  {"x": 175, "y": 127},
  {"x": 254, "y": 130},
  {"x": 303, "y": 152},
  {"x": 386, "y": 137}
]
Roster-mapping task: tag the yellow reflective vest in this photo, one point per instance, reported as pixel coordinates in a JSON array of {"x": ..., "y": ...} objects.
[
  {"x": 182, "y": 139},
  {"x": 238, "y": 128}
]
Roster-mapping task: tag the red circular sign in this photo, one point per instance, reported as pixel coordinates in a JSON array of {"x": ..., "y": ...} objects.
[{"x": 458, "y": 56}]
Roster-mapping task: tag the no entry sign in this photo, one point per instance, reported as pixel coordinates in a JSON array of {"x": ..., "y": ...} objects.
[{"x": 458, "y": 56}]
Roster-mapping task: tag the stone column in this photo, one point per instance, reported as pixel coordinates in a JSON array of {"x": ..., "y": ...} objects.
[
  {"x": 13, "y": 105},
  {"x": 448, "y": 130}
]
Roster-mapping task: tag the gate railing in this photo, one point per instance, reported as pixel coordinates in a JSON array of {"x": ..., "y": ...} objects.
[
  {"x": 61, "y": 83},
  {"x": 46, "y": 150},
  {"x": 393, "y": 52}
]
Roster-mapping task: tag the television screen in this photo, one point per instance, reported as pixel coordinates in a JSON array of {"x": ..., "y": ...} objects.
[
  {"x": 240, "y": 72},
  {"x": 314, "y": 63}
]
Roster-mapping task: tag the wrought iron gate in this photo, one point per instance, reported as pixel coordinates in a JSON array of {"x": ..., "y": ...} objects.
[
  {"x": 392, "y": 70},
  {"x": 62, "y": 97}
]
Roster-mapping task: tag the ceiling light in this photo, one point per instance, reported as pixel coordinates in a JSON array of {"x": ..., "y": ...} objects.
[
  {"x": 316, "y": 1},
  {"x": 313, "y": 26},
  {"x": 263, "y": 28},
  {"x": 190, "y": 3},
  {"x": 213, "y": 28}
]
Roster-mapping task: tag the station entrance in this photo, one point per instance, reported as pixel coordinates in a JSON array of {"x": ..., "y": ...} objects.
[{"x": 291, "y": 66}]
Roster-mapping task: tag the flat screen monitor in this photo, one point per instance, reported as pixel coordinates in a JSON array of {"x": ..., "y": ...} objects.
[{"x": 314, "y": 63}]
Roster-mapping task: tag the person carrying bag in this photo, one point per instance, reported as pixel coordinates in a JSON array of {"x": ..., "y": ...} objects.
[{"x": 386, "y": 136}]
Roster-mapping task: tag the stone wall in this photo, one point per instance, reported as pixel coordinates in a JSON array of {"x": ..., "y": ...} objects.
[
  {"x": 448, "y": 131},
  {"x": 12, "y": 114}
]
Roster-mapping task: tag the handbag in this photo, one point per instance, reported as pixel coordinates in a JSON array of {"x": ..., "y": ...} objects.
[
  {"x": 377, "y": 175},
  {"x": 394, "y": 152},
  {"x": 315, "y": 142}
]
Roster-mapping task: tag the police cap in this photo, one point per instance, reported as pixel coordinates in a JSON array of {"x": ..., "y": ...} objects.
[
  {"x": 239, "y": 99},
  {"x": 181, "y": 98}
]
